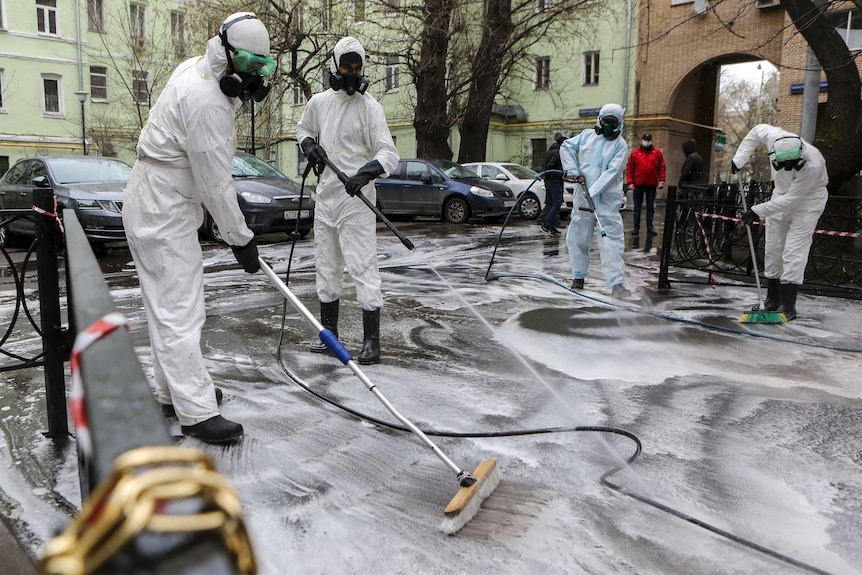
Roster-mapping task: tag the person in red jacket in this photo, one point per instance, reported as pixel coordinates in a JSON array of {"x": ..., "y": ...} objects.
[{"x": 645, "y": 173}]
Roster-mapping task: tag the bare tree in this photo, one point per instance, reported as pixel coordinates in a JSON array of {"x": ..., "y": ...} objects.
[{"x": 741, "y": 106}]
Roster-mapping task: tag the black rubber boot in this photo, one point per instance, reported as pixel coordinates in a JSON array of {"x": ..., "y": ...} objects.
[
  {"x": 788, "y": 301},
  {"x": 773, "y": 296},
  {"x": 329, "y": 319},
  {"x": 216, "y": 429},
  {"x": 371, "y": 346},
  {"x": 169, "y": 411}
]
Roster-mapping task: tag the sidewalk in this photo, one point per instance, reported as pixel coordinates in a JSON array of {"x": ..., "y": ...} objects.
[{"x": 15, "y": 560}]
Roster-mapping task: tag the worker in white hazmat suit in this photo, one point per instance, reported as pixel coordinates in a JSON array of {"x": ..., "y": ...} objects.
[
  {"x": 597, "y": 158},
  {"x": 348, "y": 126},
  {"x": 791, "y": 214},
  {"x": 184, "y": 159}
]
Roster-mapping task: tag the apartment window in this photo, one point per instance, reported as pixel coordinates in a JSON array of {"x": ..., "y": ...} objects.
[
  {"x": 178, "y": 32},
  {"x": 96, "y": 15},
  {"x": 140, "y": 93},
  {"x": 391, "y": 7},
  {"x": 298, "y": 96},
  {"x": 591, "y": 69},
  {"x": 297, "y": 19},
  {"x": 538, "y": 147},
  {"x": 326, "y": 14},
  {"x": 359, "y": 10},
  {"x": 2, "y": 91},
  {"x": 542, "y": 73},
  {"x": 138, "y": 24},
  {"x": 391, "y": 72},
  {"x": 46, "y": 17},
  {"x": 542, "y": 5},
  {"x": 99, "y": 83},
  {"x": 849, "y": 27},
  {"x": 51, "y": 91}
]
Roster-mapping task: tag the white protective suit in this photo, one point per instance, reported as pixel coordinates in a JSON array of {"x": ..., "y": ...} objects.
[
  {"x": 603, "y": 163},
  {"x": 184, "y": 159},
  {"x": 791, "y": 214},
  {"x": 353, "y": 131}
]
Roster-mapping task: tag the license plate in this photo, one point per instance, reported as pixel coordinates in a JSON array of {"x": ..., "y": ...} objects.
[{"x": 291, "y": 214}]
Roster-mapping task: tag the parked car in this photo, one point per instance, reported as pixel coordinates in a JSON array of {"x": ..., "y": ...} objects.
[
  {"x": 93, "y": 186},
  {"x": 268, "y": 199},
  {"x": 519, "y": 178},
  {"x": 441, "y": 189}
]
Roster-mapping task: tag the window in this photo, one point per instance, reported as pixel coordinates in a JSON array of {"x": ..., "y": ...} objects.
[
  {"x": 4, "y": 164},
  {"x": 301, "y": 160},
  {"x": 542, "y": 5},
  {"x": 326, "y": 14},
  {"x": 298, "y": 95},
  {"x": 417, "y": 172},
  {"x": 96, "y": 15},
  {"x": 849, "y": 27},
  {"x": 391, "y": 7},
  {"x": 2, "y": 92},
  {"x": 538, "y": 147},
  {"x": 591, "y": 69},
  {"x": 359, "y": 10},
  {"x": 178, "y": 32},
  {"x": 46, "y": 17},
  {"x": 51, "y": 91},
  {"x": 542, "y": 73},
  {"x": 99, "y": 83},
  {"x": 140, "y": 93},
  {"x": 138, "y": 24},
  {"x": 390, "y": 73},
  {"x": 297, "y": 18},
  {"x": 17, "y": 176}
]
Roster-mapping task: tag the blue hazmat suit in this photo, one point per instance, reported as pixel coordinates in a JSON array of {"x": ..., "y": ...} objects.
[
  {"x": 602, "y": 162},
  {"x": 797, "y": 202}
]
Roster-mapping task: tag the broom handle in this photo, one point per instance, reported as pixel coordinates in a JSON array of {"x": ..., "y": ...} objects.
[
  {"x": 309, "y": 317},
  {"x": 751, "y": 247}
]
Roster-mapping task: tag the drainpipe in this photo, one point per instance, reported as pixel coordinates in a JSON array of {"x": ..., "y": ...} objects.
[
  {"x": 628, "y": 53},
  {"x": 80, "y": 48}
]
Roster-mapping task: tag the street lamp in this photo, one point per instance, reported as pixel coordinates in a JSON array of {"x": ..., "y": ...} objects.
[{"x": 82, "y": 97}]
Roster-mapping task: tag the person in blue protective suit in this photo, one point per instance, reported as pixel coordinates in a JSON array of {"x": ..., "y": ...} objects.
[
  {"x": 184, "y": 157},
  {"x": 596, "y": 158},
  {"x": 347, "y": 125},
  {"x": 791, "y": 214}
]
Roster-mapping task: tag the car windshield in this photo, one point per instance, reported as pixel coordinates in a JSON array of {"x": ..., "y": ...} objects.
[
  {"x": 453, "y": 170},
  {"x": 77, "y": 170},
  {"x": 520, "y": 171},
  {"x": 253, "y": 167}
]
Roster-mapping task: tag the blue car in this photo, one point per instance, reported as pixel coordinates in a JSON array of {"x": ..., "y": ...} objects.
[{"x": 441, "y": 189}]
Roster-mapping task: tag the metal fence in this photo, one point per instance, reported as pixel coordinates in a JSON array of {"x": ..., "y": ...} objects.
[{"x": 703, "y": 231}]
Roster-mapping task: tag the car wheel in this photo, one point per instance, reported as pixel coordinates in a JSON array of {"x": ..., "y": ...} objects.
[
  {"x": 529, "y": 207},
  {"x": 456, "y": 211},
  {"x": 211, "y": 230}
]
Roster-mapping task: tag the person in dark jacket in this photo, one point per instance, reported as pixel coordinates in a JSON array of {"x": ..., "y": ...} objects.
[
  {"x": 553, "y": 187},
  {"x": 692, "y": 168}
]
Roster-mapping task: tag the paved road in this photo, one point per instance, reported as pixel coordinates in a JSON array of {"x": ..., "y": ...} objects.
[{"x": 756, "y": 433}]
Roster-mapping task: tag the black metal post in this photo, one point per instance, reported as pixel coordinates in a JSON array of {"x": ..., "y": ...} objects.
[
  {"x": 47, "y": 235},
  {"x": 667, "y": 237}
]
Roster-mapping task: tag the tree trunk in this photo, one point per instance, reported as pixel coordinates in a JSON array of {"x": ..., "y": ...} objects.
[
  {"x": 485, "y": 80},
  {"x": 839, "y": 133},
  {"x": 430, "y": 117}
]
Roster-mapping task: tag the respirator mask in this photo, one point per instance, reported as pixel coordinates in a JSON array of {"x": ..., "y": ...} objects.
[
  {"x": 353, "y": 80},
  {"x": 608, "y": 127},
  {"x": 787, "y": 154},
  {"x": 246, "y": 71}
]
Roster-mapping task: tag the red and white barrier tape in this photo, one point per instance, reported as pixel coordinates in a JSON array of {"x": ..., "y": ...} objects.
[
  {"x": 87, "y": 337},
  {"x": 54, "y": 215},
  {"x": 821, "y": 232}
]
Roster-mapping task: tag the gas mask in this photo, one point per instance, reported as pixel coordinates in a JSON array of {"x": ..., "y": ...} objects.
[
  {"x": 608, "y": 127},
  {"x": 246, "y": 70},
  {"x": 787, "y": 154},
  {"x": 351, "y": 81}
]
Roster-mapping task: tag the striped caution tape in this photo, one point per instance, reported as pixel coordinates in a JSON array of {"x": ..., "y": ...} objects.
[
  {"x": 821, "y": 232},
  {"x": 85, "y": 339},
  {"x": 54, "y": 215}
]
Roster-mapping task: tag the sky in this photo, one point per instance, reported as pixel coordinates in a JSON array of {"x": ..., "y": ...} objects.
[{"x": 749, "y": 70}]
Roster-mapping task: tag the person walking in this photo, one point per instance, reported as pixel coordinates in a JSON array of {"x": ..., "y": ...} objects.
[
  {"x": 791, "y": 214},
  {"x": 645, "y": 174},
  {"x": 553, "y": 187},
  {"x": 692, "y": 167},
  {"x": 347, "y": 125},
  {"x": 596, "y": 159},
  {"x": 184, "y": 157}
]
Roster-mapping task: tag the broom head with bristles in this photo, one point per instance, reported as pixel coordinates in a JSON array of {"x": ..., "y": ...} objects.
[
  {"x": 466, "y": 503},
  {"x": 762, "y": 316}
]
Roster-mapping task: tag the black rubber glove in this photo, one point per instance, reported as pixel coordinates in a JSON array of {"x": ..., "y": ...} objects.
[
  {"x": 313, "y": 151},
  {"x": 247, "y": 256},
  {"x": 750, "y": 217},
  {"x": 733, "y": 168},
  {"x": 366, "y": 173}
]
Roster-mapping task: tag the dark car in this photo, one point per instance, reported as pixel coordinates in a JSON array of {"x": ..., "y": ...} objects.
[
  {"x": 93, "y": 186},
  {"x": 441, "y": 189},
  {"x": 268, "y": 199}
]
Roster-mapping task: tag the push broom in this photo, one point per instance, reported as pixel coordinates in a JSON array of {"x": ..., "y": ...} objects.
[
  {"x": 474, "y": 487},
  {"x": 762, "y": 315}
]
